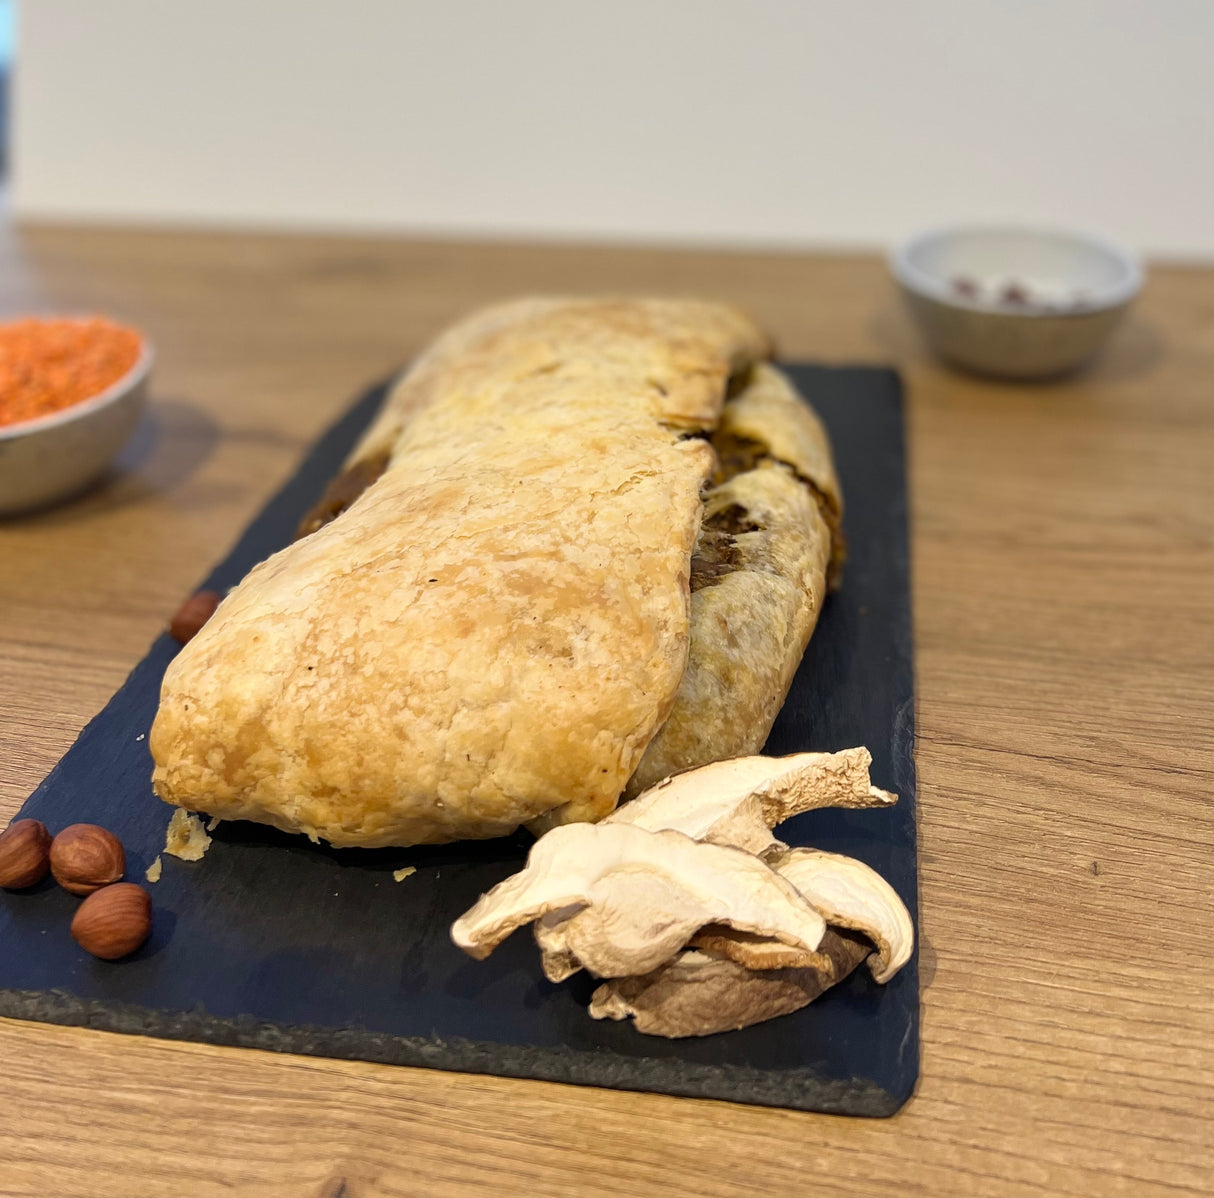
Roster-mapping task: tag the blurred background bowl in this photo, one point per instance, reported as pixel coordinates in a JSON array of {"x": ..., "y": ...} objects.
[
  {"x": 1015, "y": 303},
  {"x": 55, "y": 456}
]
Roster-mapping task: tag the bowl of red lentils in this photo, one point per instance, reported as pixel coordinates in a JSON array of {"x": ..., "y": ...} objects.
[{"x": 71, "y": 392}]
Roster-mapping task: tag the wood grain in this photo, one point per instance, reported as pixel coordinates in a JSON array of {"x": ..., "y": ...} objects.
[{"x": 1064, "y": 615}]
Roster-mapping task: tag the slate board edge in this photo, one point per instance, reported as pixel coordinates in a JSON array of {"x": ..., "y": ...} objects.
[
  {"x": 726, "y": 1083},
  {"x": 906, "y": 779}
]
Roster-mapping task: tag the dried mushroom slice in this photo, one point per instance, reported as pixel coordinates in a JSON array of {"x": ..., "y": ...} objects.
[
  {"x": 556, "y": 958},
  {"x": 851, "y": 895},
  {"x": 738, "y": 802},
  {"x": 634, "y": 898},
  {"x": 638, "y": 921},
  {"x": 700, "y": 993},
  {"x": 754, "y": 952}
]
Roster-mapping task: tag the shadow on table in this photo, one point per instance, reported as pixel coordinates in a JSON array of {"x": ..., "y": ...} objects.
[{"x": 172, "y": 439}]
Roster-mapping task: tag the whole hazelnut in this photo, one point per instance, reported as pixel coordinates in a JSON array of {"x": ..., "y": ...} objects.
[
  {"x": 85, "y": 857},
  {"x": 24, "y": 853},
  {"x": 113, "y": 921},
  {"x": 189, "y": 618}
]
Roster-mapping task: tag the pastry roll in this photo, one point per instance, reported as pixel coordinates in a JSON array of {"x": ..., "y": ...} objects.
[{"x": 582, "y": 546}]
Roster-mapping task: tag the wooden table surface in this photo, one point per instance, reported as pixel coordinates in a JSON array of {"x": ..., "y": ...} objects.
[{"x": 1064, "y": 618}]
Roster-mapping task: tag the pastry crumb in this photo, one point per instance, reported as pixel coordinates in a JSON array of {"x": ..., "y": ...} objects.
[
  {"x": 154, "y": 870},
  {"x": 399, "y": 875},
  {"x": 215, "y": 822},
  {"x": 186, "y": 836}
]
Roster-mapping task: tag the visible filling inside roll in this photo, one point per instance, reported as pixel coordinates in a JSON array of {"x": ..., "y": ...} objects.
[
  {"x": 717, "y": 552},
  {"x": 342, "y": 492}
]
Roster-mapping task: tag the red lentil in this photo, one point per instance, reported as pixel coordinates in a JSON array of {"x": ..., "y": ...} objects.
[{"x": 49, "y": 365}]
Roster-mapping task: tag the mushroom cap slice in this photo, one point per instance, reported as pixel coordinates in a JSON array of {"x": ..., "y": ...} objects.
[
  {"x": 634, "y": 898},
  {"x": 699, "y": 993},
  {"x": 556, "y": 958},
  {"x": 755, "y": 952},
  {"x": 851, "y": 895},
  {"x": 738, "y": 802},
  {"x": 640, "y": 919}
]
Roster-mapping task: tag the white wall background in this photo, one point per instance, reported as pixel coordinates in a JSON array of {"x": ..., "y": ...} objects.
[{"x": 772, "y": 122}]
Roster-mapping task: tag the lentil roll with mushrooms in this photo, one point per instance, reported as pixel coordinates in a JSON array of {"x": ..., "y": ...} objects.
[{"x": 582, "y": 546}]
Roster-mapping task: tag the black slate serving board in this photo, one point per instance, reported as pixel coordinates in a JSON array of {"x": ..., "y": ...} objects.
[{"x": 273, "y": 942}]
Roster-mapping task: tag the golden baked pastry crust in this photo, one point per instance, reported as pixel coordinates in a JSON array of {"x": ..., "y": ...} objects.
[{"x": 496, "y": 628}]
